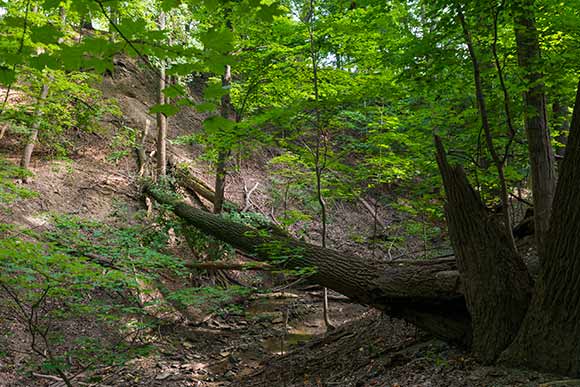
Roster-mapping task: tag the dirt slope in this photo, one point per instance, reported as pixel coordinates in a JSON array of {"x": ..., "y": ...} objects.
[{"x": 276, "y": 342}]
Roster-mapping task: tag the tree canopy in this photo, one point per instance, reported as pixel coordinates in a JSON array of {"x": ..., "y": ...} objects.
[{"x": 462, "y": 115}]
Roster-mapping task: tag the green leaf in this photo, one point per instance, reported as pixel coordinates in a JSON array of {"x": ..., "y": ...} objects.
[
  {"x": 214, "y": 90},
  {"x": 217, "y": 124},
  {"x": 211, "y": 5},
  {"x": 46, "y": 34},
  {"x": 166, "y": 109},
  {"x": 174, "y": 91},
  {"x": 185, "y": 102},
  {"x": 44, "y": 60},
  {"x": 7, "y": 75},
  {"x": 185, "y": 68},
  {"x": 205, "y": 107},
  {"x": 267, "y": 12},
  {"x": 221, "y": 40},
  {"x": 50, "y": 4},
  {"x": 168, "y": 5}
]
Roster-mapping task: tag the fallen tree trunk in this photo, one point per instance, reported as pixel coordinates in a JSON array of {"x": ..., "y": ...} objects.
[
  {"x": 195, "y": 187},
  {"x": 425, "y": 293},
  {"x": 226, "y": 265},
  {"x": 187, "y": 180}
]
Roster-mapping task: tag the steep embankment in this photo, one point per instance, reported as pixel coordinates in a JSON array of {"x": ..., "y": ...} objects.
[{"x": 264, "y": 345}]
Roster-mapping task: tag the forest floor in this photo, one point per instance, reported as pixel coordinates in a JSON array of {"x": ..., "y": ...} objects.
[{"x": 278, "y": 340}]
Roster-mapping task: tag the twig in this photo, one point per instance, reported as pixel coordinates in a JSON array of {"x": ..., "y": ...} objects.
[{"x": 247, "y": 196}]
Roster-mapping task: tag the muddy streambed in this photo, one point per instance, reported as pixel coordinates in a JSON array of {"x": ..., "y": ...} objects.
[{"x": 294, "y": 320}]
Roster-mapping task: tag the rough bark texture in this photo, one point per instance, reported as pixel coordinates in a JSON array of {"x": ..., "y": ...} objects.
[
  {"x": 195, "y": 186},
  {"x": 29, "y": 147},
  {"x": 497, "y": 159},
  {"x": 426, "y": 293},
  {"x": 539, "y": 147},
  {"x": 560, "y": 114},
  {"x": 187, "y": 180},
  {"x": 161, "y": 118},
  {"x": 227, "y": 265},
  {"x": 220, "y": 182},
  {"x": 228, "y": 112},
  {"x": 550, "y": 335},
  {"x": 496, "y": 281},
  {"x": 140, "y": 149}
]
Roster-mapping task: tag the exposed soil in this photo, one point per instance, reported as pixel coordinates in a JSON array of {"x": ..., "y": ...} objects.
[
  {"x": 262, "y": 349},
  {"x": 278, "y": 341}
]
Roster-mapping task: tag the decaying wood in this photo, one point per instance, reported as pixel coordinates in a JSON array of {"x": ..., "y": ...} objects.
[
  {"x": 248, "y": 196},
  {"x": 548, "y": 338},
  {"x": 140, "y": 149},
  {"x": 191, "y": 183},
  {"x": 227, "y": 265},
  {"x": 426, "y": 294},
  {"x": 496, "y": 281},
  {"x": 3, "y": 128},
  {"x": 33, "y": 138}
]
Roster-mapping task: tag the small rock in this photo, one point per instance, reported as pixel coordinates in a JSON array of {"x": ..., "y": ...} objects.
[
  {"x": 163, "y": 376},
  {"x": 562, "y": 383},
  {"x": 496, "y": 373},
  {"x": 225, "y": 354}
]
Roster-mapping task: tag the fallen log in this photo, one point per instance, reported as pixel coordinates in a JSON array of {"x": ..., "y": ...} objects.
[
  {"x": 425, "y": 293},
  {"x": 227, "y": 265},
  {"x": 197, "y": 187},
  {"x": 189, "y": 181}
]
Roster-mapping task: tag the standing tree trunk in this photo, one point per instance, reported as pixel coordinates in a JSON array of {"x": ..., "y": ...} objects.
[
  {"x": 220, "y": 181},
  {"x": 62, "y": 14},
  {"x": 29, "y": 147},
  {"x": 140, "y": 149},
  {"x": 497, "y": 159},
  {"x": 550, "y": 335},
  {"x": 320, "y": 154},
  {"x": 536, "y": 124},
  {"x": 228, "y": 112},
  {"x": 161, "y": 118},
  {"x": 495, "y": 278},
  {"x": 560, "y": 115}
]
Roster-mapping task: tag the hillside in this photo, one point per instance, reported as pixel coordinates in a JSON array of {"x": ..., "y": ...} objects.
[
  {"x": 264, "y": 193},
  {"x": 220, "y": 350}
]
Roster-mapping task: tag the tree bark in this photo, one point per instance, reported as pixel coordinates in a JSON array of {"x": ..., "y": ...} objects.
[
  {"x": 498, "y": 161},
  {"x": 29, "y": 147},
  {"x": 3, "y": 128},
  {"x": 227, "y": 111},
  {"x": 539, "y": 147},
  {"x": 161, "y": 118},
  {"x": 426, "y": 293},
  {"x": 226, "y": 265},
  {"x": 62, "y": 14},
  {"x": 560, "y": 116},
  {"x": 495, "y": 278},
  {"x": 320, "y": 153},
  {"x": 549, "y": 336},
  {"x": 140, "y": 149}
]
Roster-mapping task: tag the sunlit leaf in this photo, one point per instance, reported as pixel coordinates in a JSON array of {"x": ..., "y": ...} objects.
[{"x": 166, "y": 109}]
